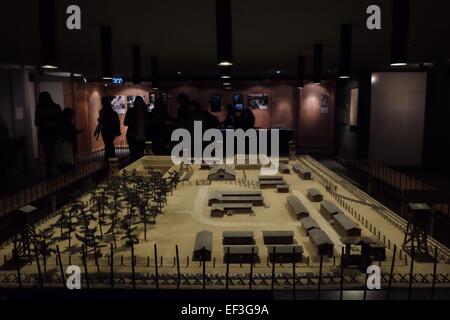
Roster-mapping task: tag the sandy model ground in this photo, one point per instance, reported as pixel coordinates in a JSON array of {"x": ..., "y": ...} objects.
[{"x": 187, "y": 213}]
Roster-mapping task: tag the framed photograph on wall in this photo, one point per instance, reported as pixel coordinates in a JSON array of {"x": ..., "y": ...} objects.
[
  {"x": 119, "y": 104},
  {"x": 258, "y": 101},
  {"x": 324, "y": 104},
  {"x": 354, "y": 94},
  {"x": 238, "y": 102},
  {"x": 216, "y": 103}
]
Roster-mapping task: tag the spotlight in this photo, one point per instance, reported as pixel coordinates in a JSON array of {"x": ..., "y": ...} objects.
[
  {"x": 398, "y": 64},
  {"x": 49, "y": 66},
  {"x": 227, "y": 84},
  {"x": 225, "y": 63}
]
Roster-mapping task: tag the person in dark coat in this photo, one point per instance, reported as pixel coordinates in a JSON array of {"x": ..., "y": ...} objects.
[
  {"x": 136, "y": 121},
  {"x": 108, "y": 126},
  {"x": 183, "y": 107},
  {"x": 47, "y": 117},
  {"x": 67, "y": 140},
  {"x": 246, "y": 120}
]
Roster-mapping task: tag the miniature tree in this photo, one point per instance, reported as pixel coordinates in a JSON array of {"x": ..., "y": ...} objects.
[
  {"x": 115, "y": 206},
  {"x": 42, "y": 242}
]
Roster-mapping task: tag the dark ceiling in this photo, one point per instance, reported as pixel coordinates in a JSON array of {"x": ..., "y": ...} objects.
[{"x": 267, "y": 34}]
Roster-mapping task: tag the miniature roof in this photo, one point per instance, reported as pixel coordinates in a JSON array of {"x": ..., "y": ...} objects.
[
  {"x": 284, "y": 249},
  {"x": 314, "y": 192},
  {"x": 224, "y": 206},
  {"x": 296, "y": 205},
  {"x": 241, "y": 249},
  {"x": 270, "y": 178},
  {"x": 238, "y": 234},
  {"x": 287, "y": 233},
  {"x": 345, "y": 222},
  {"x": 222, "y": 168},
  {"x": 203, "y": 239},
  {"x": 309, "y": 223},
  {"x": 319, "y": 237},
  {"x": 329, "y": 206}
]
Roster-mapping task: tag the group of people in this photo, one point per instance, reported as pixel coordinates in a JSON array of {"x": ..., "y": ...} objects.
[{"x": 57, "y": 132}]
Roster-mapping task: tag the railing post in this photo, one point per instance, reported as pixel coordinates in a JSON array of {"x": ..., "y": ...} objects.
[
  {"x": 61, "y": 268},
  {"x": 178, "y": 267},
  {"x": 320, "y": 277}
]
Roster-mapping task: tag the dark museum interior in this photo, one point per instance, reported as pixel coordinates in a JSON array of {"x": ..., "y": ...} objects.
[{"x": 91, "y": 93}]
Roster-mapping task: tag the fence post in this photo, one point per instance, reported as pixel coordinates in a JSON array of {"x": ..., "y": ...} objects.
[
  {"x": 227, "y": 274},
  {"x": 111, "y": 276},
  {"x": 16, "y": 261},
  {"x": 178, "y": 267},
  {"x": 133, "y": 274},
  {"x": 433, "y": 285},
  {"x": 388, "y": 297},
  {"x": 36, "y": 252},
  {"x": 61, "y": 268},
  {"x": 411, "y": 272},
  {"x": 341, "y": 288},
  {"x": 156, "y": 266},
  {"x": 251, "y": 269},
  {"x": 320, "y": 277},
  {"x": 274, "y": 250},
  {"x": 85, "y": 266},
  {"x": 204, "y": 268},
  {"x": 294, "y": 276}
]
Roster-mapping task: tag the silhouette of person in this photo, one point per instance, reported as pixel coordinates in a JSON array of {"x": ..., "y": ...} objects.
[
  {"x": 231, "y": 119},
  {"x": 136, "y": 121},
  {"x": 67, "y": 140},
  {"x": 183, "y": 107},
  {"x": 108, "y": 126},
  {"x": 47, "y": 115},
  {"x": 246, "y": 120}
]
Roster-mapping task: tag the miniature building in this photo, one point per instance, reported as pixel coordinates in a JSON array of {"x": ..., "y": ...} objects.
[
  {"x": 238, "y": 238},
  {"x": 321, "y": 242},
  {"x": 270, "y": 181},
  {"x": 278, "y": 237},
  {"x": 285, "y": 254},
  {"x": 297, "y": 207},
  {"x": 363, "y": 251},
  {"x": 240, "y": 254},
  {"x": 283, "y": 188},
  {"x": 255, "y": 200},
  {"x": 218, "y": 210},
  {"x": 328, "y": 209},
  {"x": 315, "y": 195},
  {"x": 284, "y": 169},
  {"x": 221, "y": 173},
  {"x": 345, "y": 227},
  {"x": 309, "y": 223},
  {"x": 302, "y": 172},
  {"x": 203, "y": 246},
  {"x": 186, "y": 176}
]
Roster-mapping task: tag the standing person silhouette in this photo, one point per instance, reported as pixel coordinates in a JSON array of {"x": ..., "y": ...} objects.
[
  {"x": 47, "y": 116},
  {"x": 108, "y": 126},
  {"x": 136, "y": 121}
]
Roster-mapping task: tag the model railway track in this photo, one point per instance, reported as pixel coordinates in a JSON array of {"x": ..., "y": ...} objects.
[{"x": 319, "y": 173}]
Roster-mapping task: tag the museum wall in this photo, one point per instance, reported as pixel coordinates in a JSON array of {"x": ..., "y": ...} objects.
[
  {"x": 397, "y": 117},
  {"x": 437, "y": 137},
  {"x": 316, "y": 124},
  {"x": 300, "y": 112},
  {"x": 352, "y": 141}
]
